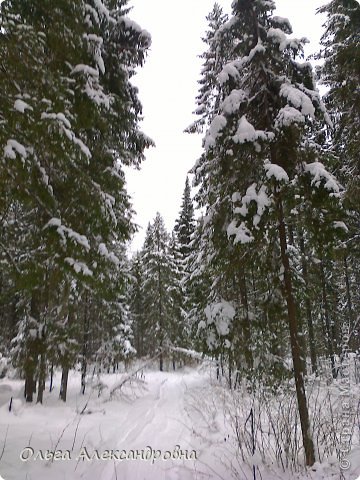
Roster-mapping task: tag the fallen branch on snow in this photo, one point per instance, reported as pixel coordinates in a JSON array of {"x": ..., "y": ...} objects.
[{"x": 133, "y": 374}]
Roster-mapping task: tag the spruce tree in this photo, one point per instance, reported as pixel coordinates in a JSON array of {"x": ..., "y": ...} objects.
[
  {"x": 158, "y": 291},
  {"x": 182, "y": 251},
  {"x": 213, "y": 60},
  {"x": 185, "y": 223},
  {"x": 340, "y": 73},
  {"x": 136, "y": 302},
  {"x": 259, "y": 151},
  {"x": 70, "y": 124}
]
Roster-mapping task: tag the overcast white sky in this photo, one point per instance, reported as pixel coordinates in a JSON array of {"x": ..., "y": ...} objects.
[{"x": 167, "y": 88}]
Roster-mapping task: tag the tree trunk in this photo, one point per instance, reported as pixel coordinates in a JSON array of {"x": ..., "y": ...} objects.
[
  {"x": 161, "y": 320},
  {"x": 246, "y": 327},
  {"x": 300, "y": 323},
  {"x": 295, "y": 343},
  {"x": 30, "y": 387},
  {"x": 83, "y": 375},
  {"x": 329, "y": 332},
  {"x": 230, "y": 370},
  {"x": 352, "y": 344},
  {"x": 43, "y": 339},
  {"x": 64, "y": 383},
  {"x": 310, "y": 324},
  {"x": 85, "y": 346},
  {"x": 32, "y": 352},
  {"x": 42, "y": 377},
  {"x": 67, "y": 316},
  {"x": 51, "y": 377},
  {"x": 161, "y": 362},
  {"x": 348, "y": 291}
]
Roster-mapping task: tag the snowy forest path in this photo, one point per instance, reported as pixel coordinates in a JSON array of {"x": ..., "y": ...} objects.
[
  {"x": 152, "y": 412},
  {"x": 159, "y": 421}
]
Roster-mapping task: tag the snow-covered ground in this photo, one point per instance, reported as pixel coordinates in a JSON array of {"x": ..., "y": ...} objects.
[{"x": 152, "y": 417}]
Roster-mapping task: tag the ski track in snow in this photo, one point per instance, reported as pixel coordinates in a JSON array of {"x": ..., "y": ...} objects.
[
  {"x": 156, "y": 417},
  {"x": 182, "y": 408},
  {"x": 159, "y": 425}
]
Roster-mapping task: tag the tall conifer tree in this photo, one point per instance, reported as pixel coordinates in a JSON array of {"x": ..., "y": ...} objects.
[{"x": 260, "y": 161}]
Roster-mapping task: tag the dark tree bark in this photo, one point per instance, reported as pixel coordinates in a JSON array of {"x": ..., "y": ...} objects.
[
  {"x": 161, "y": 321},
  {"x": 161, "y": 363},
  {"x": 294, "y": 341},
  {"x": 230, "y": 369},
  {"x": 42, "y": 378},
  {"x": 51, "y": 377},
  {"x": 64, "y": 383},
  {"x": 329, "y": 330},
  {"x": 85, "y": 345},
  {"x": 32, "y": 350},
  {"x": 349, "y": 302},
  {"x": 66, "y": 361},
  {"x": 30, "y": 386},
  {"x": 310, "y": 324},
  {"x": 246, "y": 327}
]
